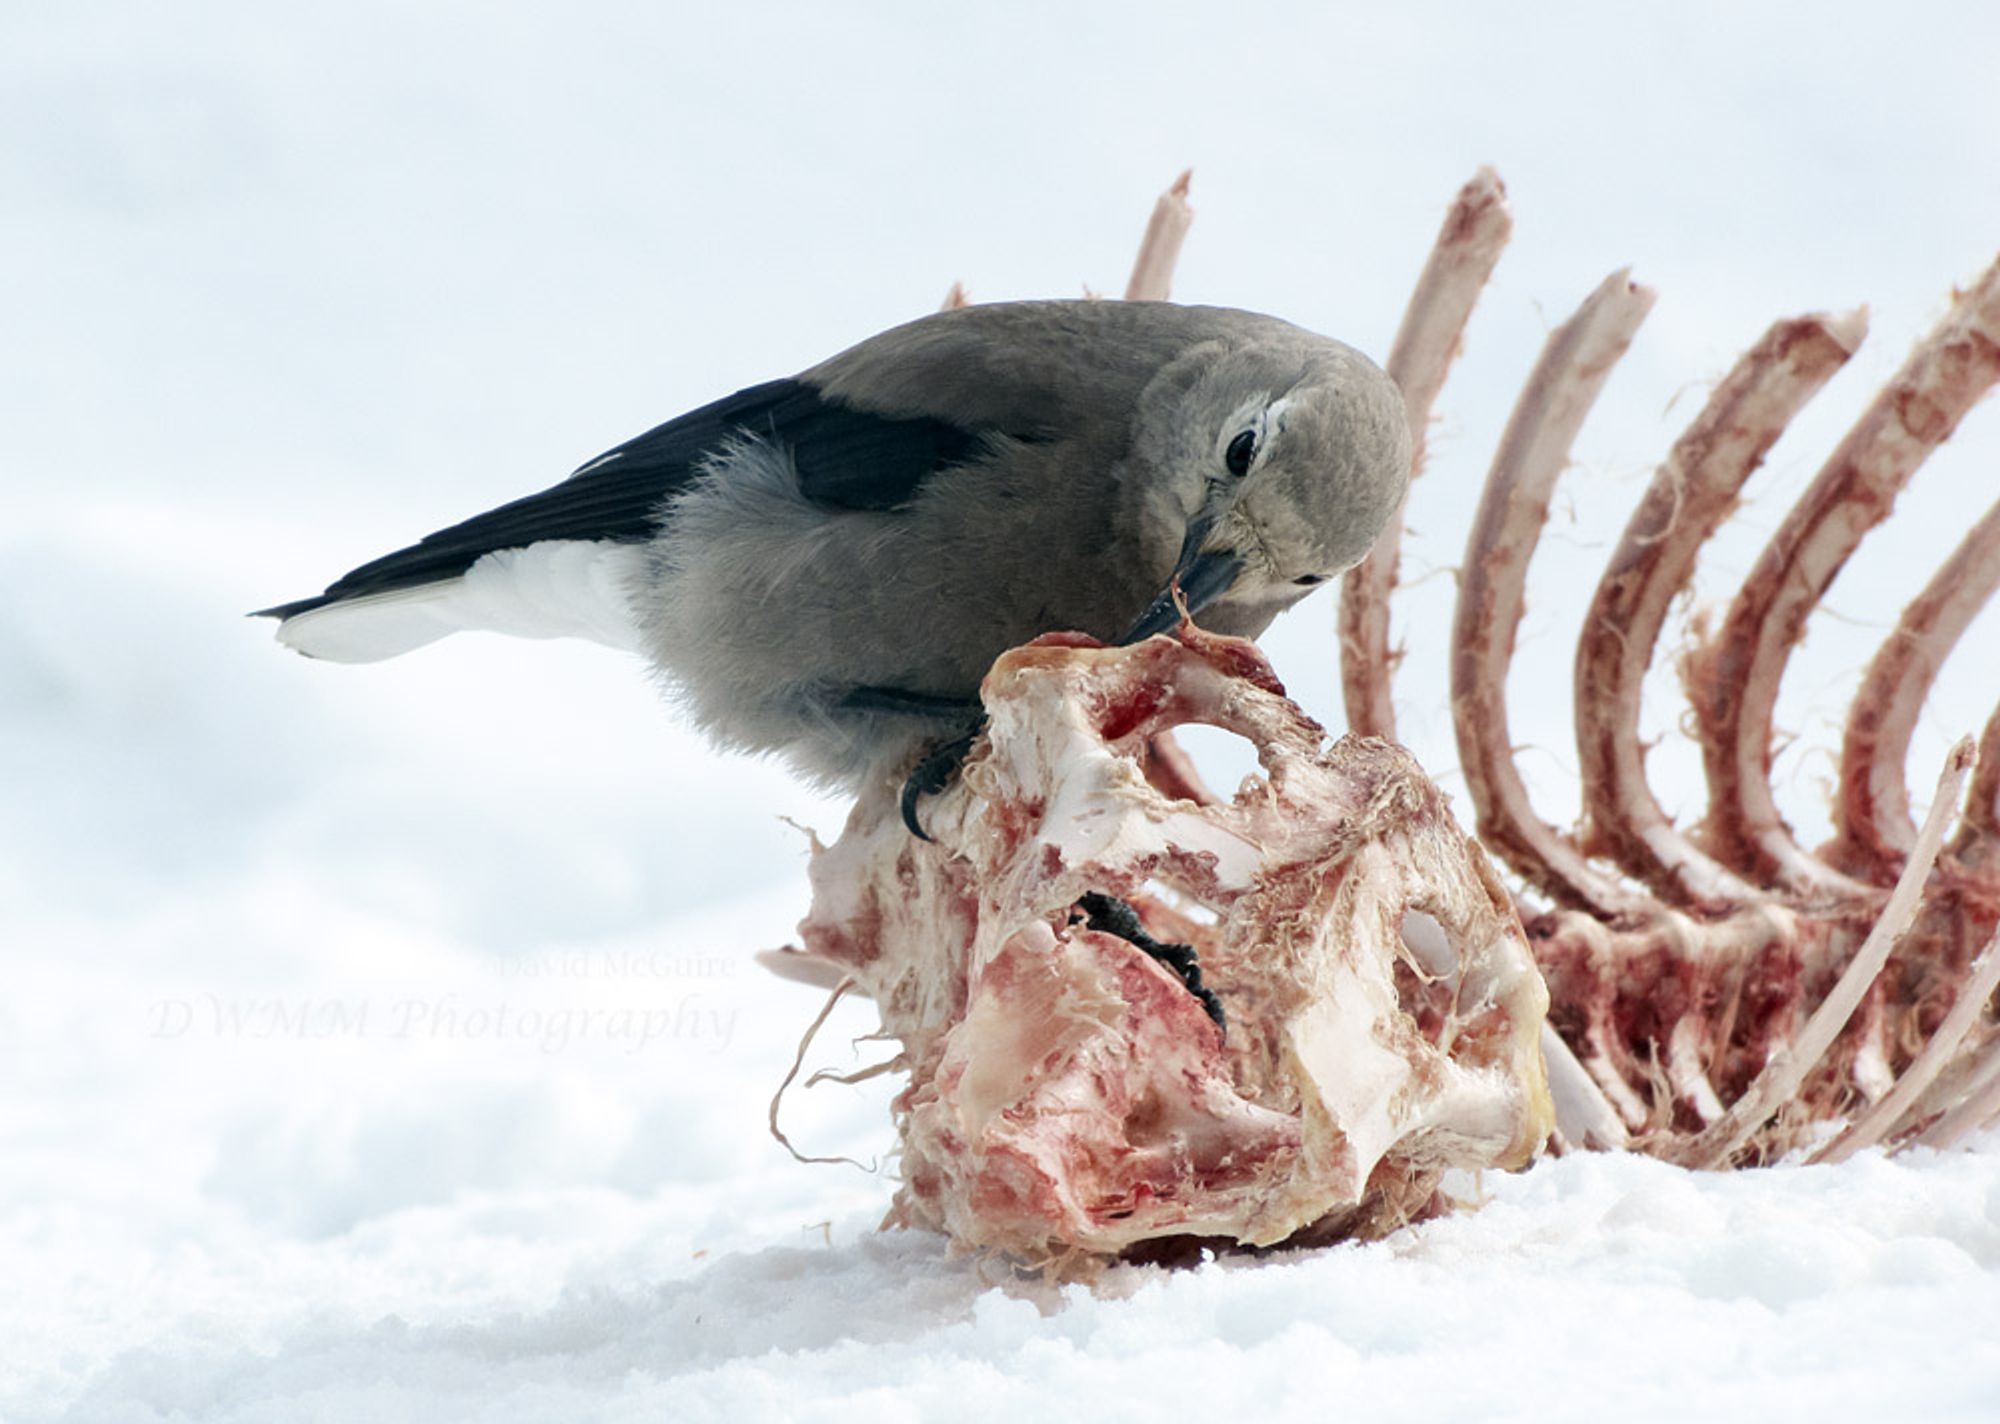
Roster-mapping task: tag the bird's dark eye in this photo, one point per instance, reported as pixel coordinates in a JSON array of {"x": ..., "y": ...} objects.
[
  {"x": 1240, "y": 452},
  {"x": 1308, "y": 580}
]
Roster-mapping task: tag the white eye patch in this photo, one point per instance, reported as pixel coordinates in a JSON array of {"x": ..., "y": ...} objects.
[{"x": 1254, "y": 416}]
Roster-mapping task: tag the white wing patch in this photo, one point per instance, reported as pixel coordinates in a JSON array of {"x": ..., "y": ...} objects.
[{"x": 559, "y": 588}]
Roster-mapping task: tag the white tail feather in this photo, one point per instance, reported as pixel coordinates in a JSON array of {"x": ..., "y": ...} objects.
[{"x": 560, "y": 588}]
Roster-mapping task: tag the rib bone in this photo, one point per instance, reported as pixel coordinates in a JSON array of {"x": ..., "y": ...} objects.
[
  {"x": 1788, "y": 1068},
  {"x": 1476, "y": 228},
  {"x": 1690, "y": 496},
  {"x": 1888, "y": 1114},
  {"x": 1979, "y": 1106},
  {"x": 1733, "y": 680},
  {"x": 1977, "y": 845},
  {"x": 1574, "y": 363},
  {"x": 1872, "y": 813},
  {"x": 1152, "y": 277}
]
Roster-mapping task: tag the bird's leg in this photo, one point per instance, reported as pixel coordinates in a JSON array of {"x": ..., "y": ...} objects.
[{"x": 928, "y": 705}]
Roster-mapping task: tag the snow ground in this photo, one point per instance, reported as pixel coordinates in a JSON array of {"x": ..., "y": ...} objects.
[
  {"x": 382, "y": 1041},
  {"x": 357, "y": 1190}
]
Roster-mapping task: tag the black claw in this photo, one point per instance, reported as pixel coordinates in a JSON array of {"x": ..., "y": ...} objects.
[
  {"x": 1110, "y": 915},
  {"x": 933, "y": 774}
]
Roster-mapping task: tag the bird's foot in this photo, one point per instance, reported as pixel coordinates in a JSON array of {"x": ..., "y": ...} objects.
[
  {"x": 1110, "y": 915},
  {"x": 934, "y": 774}
]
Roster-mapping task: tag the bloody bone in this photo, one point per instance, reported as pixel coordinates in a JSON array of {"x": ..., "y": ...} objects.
[
  {"x": 1733, "y": 679},
  {"x": 1475, "y": 230},
  {"x": 1875, "y": 831},
  {"x": 1067, "y": 1092},
  {"x": 1558, "y": 395},
  {"x": 1729, "y": 992},
  {"x": 1687, "y": 501}
]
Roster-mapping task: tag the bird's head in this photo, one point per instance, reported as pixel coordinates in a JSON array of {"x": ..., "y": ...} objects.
[{"x": 1275, "y": 461}]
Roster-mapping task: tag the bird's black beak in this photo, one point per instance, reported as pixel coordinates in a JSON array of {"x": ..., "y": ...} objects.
[{"x": 1200, "y": 578}]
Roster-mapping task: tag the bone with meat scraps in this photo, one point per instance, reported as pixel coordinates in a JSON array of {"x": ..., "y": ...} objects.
[
  {"x": 1558, "y": 395},
  {"x": 1475, "y": 230},
  {"x": 1692, "y": 493},
  {"x": 1977, "y": 845},
  {"x": 1722, "y": 959},
  {"x": 1733, "y": 679},
  {"x": 1886, "y": 1117},
  {"x": 1979, "y": 1105},
  {"x": 1067, "y": 1091},
  {"x": 1790, "y": 1064},
  {"x": 1874, "y": 831}
]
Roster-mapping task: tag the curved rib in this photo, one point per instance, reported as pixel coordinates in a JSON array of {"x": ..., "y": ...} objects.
[
  {"x": 1978, "y": 1104},
  {"x": 1690, "y": 496},
  {"x": 1574, "y": 363},
  {"x": 1167, "y": 765},
  {"x": 1160, "y": 249},
  {"x": 1788, "y": 1067},
  {"x": 1976, "y": 847},
  {"x": 1882, "y": 1120},
  {"x": 1982, "y": 808},
  {"x": 1584, "y": 1115},
  {"x": 1172, "y": 772},
  {"x": 1733, "y": 679},
  {"x": 1873, "y": 827},
  {"x": 1476, "y": 228}
]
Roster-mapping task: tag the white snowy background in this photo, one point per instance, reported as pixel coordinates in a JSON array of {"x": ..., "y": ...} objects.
[{"x": 383, "y": 1042}]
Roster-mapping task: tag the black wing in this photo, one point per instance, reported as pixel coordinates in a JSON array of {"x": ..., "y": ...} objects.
[{"x": 846, "y": 458}]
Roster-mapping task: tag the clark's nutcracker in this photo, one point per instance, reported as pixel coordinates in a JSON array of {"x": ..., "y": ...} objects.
[{"x": 826, "y": 566}]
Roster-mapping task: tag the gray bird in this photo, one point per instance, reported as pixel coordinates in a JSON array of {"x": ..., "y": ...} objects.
[{"x": 826, "y": 566}]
